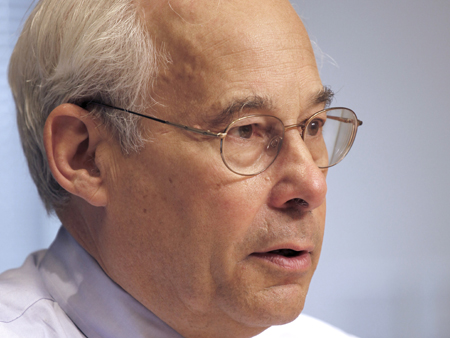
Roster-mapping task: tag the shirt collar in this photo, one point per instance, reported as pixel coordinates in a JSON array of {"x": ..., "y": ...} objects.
[{"x": 95, "y": 303}]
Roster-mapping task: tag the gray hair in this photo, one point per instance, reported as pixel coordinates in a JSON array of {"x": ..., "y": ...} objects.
[{"x": 73, "y": 51}]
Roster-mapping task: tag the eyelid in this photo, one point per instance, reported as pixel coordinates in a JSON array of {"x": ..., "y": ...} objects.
[{"x": 319, "y": 118}]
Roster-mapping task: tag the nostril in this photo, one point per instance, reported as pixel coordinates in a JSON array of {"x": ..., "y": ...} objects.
[{"x": 298, "y": 202}]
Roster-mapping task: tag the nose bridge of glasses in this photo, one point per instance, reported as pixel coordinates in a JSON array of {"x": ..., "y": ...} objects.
[{"x": 300, "y": 127}]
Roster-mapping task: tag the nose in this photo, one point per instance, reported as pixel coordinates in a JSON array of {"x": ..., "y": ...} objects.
[{"x": 298, "y": 181}]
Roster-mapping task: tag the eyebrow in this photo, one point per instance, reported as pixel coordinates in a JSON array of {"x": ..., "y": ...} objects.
[
  {"x": 237, "y": 105},
  {"x": 324, "y": 96}
]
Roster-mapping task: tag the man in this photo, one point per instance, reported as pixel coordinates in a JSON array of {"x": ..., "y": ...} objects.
[{"x": 184, "y": 147}]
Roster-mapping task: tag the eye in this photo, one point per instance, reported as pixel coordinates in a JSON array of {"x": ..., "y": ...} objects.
[
  {"x": 245, "y": 131},
  {"x": 314, "y": 127}
]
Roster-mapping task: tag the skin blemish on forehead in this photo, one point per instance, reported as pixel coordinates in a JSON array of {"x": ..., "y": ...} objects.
[{"x": 187, "y": 10}]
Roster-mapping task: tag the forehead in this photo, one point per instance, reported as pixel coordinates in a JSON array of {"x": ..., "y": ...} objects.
[{"x": 220, "y": 50}]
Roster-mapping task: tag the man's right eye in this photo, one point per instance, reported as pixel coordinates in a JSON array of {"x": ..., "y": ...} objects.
[
  {"x": 315, "y": 126},
  {"x": 245, "y": 131}
]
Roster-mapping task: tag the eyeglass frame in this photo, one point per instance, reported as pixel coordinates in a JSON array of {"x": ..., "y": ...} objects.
[{"x": 223, "y": 134}]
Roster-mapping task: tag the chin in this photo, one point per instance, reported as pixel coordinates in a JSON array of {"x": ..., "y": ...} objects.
[
  {"x": 277, "y": 305},
  {"x": 284, "y": 304}
]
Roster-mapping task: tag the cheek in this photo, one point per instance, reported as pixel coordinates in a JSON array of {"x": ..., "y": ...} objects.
[
  {"x": 193, "y": 217},
  {"x": 204, "y": 191},
  {"x": 217, "y": 218}
]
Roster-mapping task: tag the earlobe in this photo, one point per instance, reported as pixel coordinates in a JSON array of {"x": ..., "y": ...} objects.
[{"x": 72, "y": 139}]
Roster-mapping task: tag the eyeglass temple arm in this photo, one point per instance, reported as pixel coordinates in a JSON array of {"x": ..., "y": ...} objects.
[
  {"x": 181, "y": 126},
  {"x": 343, "y": 119}
]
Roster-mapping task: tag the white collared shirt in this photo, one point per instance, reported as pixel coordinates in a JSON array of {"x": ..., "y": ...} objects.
[{"x": 63, "y": 292}]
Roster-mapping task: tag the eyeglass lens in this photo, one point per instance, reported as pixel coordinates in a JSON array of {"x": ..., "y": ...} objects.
[{"x": 252, "y": 143}]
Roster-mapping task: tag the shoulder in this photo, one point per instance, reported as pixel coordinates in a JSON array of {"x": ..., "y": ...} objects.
[
  {"x": 26, "y": 307},
  {"x": 20, "y": 288},
  {"x": 304, "y": 327}
]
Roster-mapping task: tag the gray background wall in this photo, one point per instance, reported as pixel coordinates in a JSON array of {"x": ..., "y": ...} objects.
[
  {"x": 385, "y": 269},
  {"x": 24, "y": 225}
]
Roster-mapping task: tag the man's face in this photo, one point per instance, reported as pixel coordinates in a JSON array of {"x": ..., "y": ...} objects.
[{"x": 191, "y": 240}]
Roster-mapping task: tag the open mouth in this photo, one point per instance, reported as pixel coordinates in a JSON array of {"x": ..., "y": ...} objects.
[
  {"x": 293, "y": 260},
  {"x": 286, "y": 253}
]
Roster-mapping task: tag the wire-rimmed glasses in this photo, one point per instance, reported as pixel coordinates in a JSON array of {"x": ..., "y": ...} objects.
[{"x": 250, "y": 144}]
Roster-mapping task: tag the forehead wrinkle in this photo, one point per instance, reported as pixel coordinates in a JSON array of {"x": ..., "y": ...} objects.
[
  {"x": 279, "y": 71},
  {"x": 238, "y": 41},
  {"x": 258, "y": 54}
]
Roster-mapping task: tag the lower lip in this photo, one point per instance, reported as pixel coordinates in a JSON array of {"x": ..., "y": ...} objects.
[{"x": 300, "y": 263}]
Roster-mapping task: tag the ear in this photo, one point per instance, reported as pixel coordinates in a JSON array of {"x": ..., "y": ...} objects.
[{"x": 72, "y": 138}]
